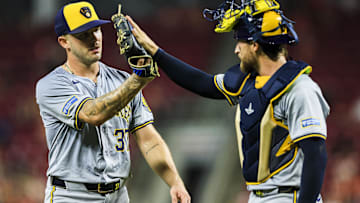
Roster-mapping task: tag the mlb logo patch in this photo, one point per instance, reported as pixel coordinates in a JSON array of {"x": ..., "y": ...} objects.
[{"x": 307, "y": 122}]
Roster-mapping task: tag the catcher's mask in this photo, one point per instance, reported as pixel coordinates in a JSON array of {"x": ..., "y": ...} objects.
[
  {"x": 257, "y": 20},
  {"x": 76, "y": 17}
]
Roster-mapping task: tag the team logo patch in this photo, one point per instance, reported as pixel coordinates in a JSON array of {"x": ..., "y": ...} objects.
[
  {"x": 85, "y": 11},
  {"x": 310, "y": 122},
  {"x": 69, "y": 104}
]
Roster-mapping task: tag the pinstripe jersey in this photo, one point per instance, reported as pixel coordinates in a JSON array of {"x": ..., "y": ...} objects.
[
  {"x": 81, "y": 152},
  {"x": 303, "y": 110}
]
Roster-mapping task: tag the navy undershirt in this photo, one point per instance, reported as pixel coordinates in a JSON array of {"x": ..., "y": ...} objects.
[
  {"x": 315, "y": 157},
  {"x": 186, "y": 76}
]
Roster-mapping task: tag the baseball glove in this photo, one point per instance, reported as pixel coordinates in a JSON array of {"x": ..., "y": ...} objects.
[{"x": 132, "y": 50}]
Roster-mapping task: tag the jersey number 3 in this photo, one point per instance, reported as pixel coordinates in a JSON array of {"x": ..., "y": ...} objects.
[{"x": 122, "y": 139}]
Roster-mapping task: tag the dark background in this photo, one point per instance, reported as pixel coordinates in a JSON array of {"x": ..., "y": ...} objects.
[{"x": 199, "y": 131}]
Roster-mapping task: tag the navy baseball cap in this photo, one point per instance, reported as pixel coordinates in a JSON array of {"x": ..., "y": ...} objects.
[
  {"x": 241, "y": 31},
  {"x": 76, "y": 17}
]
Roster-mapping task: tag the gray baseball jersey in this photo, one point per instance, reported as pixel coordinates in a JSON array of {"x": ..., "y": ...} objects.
[
  {"x": 303, "y": 110},
  {"x": 81, "y": 152}
]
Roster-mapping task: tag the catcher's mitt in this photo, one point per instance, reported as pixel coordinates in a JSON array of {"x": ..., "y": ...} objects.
[{"x": 132, "y": 50}]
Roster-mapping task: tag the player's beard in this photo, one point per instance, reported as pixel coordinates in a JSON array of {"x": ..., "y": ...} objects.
[{"x": 249, "y": 63}]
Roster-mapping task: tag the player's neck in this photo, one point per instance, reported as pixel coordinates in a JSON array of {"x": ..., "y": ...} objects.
[
  {"x": 268, "y": 67},
  {"x": 76, "y": 67}
]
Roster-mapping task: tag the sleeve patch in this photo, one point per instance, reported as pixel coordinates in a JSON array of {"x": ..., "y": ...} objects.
[
  {"x": 307, "y": 122},
  {"x": 69, "y": 103}
]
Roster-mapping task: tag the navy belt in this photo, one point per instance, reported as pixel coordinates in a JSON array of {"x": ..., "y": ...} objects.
[
  {"x": 100, "y": 188},
  {"x": 281, "y": 189}
]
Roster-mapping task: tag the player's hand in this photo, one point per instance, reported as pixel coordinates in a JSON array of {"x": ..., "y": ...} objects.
[
  {"x": 179, "y": 194},
  {"x": 143, "y": 61},
  {"x": 142, "y": 37}
]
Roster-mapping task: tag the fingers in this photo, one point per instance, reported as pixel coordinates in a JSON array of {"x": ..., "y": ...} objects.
[
  {"x": 141, "y": 62},
  {"x": 137, "y": 32},
  {"x": 143, "y": 39},
  {"x": 131, "y": 21},
  {"x": 180, "y": 197},
  {"x": 185, "y": 198},
  {"x": 174, "y": 199},
  {"x": 133, "y": 24}
]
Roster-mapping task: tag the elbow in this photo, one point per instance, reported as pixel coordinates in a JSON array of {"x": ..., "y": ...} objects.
[
  {"x": 94, "y": 120},
  {"x": 92, "y": 114},
  {"x": 97, "y": 122},
  {"x": 162, "y": 168},
  {"x": 315, "y": 151}
]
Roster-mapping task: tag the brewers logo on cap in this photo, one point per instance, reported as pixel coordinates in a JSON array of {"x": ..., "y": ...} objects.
[
  {"x": 77, "y": 17},
  {"x": 85, "y": 11}
]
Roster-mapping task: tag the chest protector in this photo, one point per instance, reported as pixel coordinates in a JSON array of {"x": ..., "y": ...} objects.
[{"x": 264, "y": 143}]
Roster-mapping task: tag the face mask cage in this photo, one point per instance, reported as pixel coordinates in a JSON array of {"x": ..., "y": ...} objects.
[
  {"x": 248, "y": 17},
  {"x": 219, "y": 13}
]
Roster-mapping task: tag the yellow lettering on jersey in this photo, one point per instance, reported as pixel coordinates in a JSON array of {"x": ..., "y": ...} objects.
[{"x": 125, "y": 113}]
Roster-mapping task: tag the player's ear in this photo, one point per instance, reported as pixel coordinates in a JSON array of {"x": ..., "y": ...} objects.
[
  {"x": 63, "y": 41},
  {"x": 255, "y": 46}
]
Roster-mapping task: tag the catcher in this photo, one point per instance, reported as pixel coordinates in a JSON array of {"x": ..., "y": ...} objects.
[
  {"x": 89, "y": 109},
  {"x": 281, "y": 112}
]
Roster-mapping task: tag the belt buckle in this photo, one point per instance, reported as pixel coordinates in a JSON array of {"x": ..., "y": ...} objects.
[
  {"x": 117, "y": 186},
  {"x": 102, "y": 191},
  {"x": 259, "y": 193}
]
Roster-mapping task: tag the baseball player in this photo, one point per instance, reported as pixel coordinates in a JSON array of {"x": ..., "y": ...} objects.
[
  {"x": 89, "y": 110},
  {"x": 281, "y": 111}
]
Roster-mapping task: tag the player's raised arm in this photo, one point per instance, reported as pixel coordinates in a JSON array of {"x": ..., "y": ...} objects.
[
  {"x": 181, "y": 73},
  {"x": 99, "y": 110},
  {"x": 158, "y": 156}
]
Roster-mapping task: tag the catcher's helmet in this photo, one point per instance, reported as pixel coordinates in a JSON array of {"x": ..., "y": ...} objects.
[
  {"x": 271, "y": 27},
  {"x": 257, "y": 20}
]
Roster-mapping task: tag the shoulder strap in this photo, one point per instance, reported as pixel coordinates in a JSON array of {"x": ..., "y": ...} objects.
[
  {"x": 284, "y": 77},
  {"x": 234, "y": 80}
]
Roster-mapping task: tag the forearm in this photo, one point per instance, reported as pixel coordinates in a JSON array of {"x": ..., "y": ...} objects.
[
  {"x": 315, "y": 158},
  {"x": 160, "y": 160},
  {"x": 157, "y": 155},
  {"x": 181, "y": 73},
  {"x": 186, "y": 76},
  {"x": 101, "y": 109}
]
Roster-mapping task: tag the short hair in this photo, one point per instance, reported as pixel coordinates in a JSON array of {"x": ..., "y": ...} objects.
[{"x": 273, "y": 51}]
